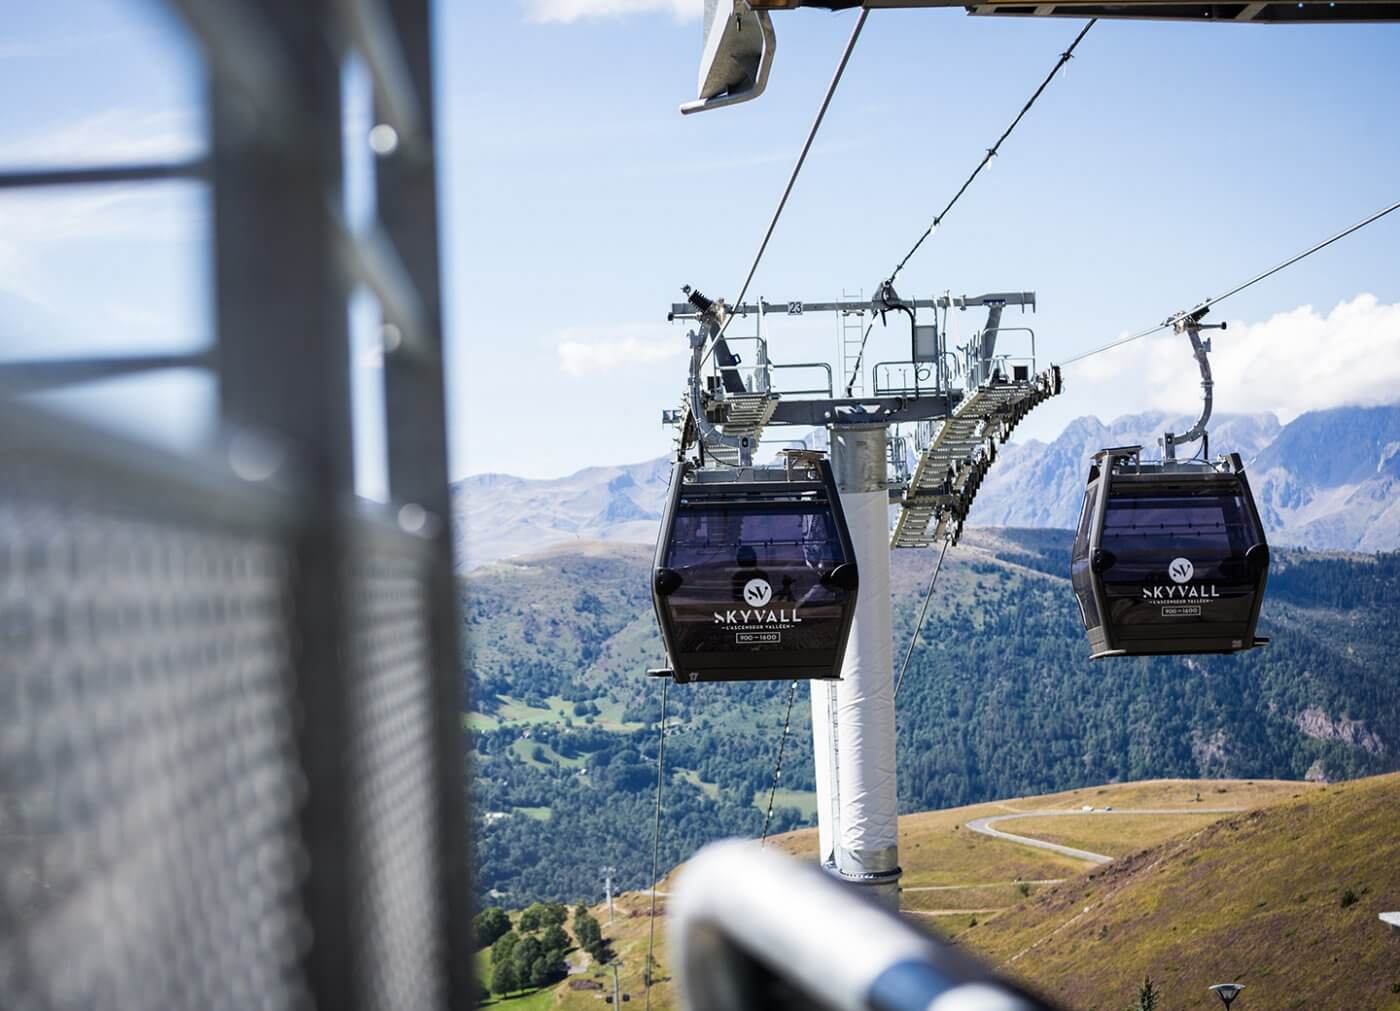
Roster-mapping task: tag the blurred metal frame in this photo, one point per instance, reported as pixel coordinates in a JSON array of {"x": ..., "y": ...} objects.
[
  {"x": 281, "y": 251},
  {"x": 284, "y": 266}
]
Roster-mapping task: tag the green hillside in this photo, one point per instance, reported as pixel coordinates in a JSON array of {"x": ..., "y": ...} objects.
[{"x": 1000, "y": 700}]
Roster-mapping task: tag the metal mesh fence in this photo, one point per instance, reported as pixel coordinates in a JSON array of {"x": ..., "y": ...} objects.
[
  {"x": 147, "y": 765},
  {"x": 155, "y": 848},
  {"x": 392, "y": 777}
]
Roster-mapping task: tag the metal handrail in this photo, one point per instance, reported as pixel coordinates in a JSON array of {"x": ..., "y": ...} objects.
[
  {"x": 1020, "y": 329},
  {"x": 742, "y": 917},
  {"x": 904, "y": 365},
  {"x": 754, "y": 373},
  {"x": 979, "y": 371},
  {"x": 1003, "y": 364},
  {"x": 827, "y": 392}
]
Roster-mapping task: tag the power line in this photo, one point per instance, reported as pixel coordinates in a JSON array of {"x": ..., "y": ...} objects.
[
  {"x": 801, "y": 158},
  {"x": 1065, "y": 57},
  {"x": 928, "y": 595},
  {"x": 656, "y": 838},
  {"x": 778, "y": 766},
  {"x": 1210, "y": 302}
]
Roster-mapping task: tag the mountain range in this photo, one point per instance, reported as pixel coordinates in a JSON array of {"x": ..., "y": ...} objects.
[{"x": 1326, "y": 480}]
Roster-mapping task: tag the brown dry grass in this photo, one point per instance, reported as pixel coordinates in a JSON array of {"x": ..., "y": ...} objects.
[
  {"x": 1254, "y": 898},
  {"x": 936, "y": 849}
]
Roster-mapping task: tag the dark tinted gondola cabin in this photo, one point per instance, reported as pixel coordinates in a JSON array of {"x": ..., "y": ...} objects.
[
  {"x": 1169, "y": 557},
  {"x": 755, "y": 576}
]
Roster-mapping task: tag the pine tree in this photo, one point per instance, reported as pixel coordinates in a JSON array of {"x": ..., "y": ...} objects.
[{"x": 1147, "y": 998}]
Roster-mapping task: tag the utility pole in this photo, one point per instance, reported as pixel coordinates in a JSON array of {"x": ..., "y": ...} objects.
[
  {"x": 617, "y": 990},
  {"x": 608, "y": 873}
]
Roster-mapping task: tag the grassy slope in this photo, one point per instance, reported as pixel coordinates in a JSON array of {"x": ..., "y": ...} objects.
[
  {"x": 1254, "y": 898},
  {"x": 948, "y": 868}
]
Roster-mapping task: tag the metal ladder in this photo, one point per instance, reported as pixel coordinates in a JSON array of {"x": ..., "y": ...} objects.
[
  {"x": 851, "y": 331},
  {"x": 950, "y": 470}
]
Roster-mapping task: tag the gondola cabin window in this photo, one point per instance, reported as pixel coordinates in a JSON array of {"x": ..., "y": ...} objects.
[{"x": 1144, "y": 534}]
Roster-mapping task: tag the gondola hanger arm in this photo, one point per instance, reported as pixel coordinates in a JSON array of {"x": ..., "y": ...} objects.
[{"x": 1189, "y": 323}]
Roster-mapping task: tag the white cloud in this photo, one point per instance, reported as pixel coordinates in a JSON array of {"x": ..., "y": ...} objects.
[
  {"x": 572, "y": 10},
  {"x": 1294, "y": 362},
  {"x": 585, "y": 351}
]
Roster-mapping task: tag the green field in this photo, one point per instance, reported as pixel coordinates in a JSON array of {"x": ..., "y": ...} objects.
[
  {"x": 534, "y": 1000},
  {"x": 693, "y": 778},
  {"x": 804, "y": 800},
  {"x": 526, "y": 750},
  {"x": 510, "y": 712}
]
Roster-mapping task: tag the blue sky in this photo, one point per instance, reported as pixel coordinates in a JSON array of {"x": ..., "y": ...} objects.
[{"x": 1166, "y": 164}]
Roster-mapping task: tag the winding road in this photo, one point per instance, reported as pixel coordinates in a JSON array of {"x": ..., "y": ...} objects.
[{"x": 984, "y": 826}]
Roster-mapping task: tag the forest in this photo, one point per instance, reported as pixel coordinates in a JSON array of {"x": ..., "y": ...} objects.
[{"x": 1000, "y": 700}]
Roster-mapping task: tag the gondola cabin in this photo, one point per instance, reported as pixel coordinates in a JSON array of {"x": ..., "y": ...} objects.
[
  {"x": 1169, "y": 557},
  {"x": 755, "y": 576}
]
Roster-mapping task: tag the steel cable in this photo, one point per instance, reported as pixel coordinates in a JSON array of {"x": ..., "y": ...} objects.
[
  {"x": 1208, "y": 303},
  {"x": 656, "y": 839},
  {"x": 801, "y": 158},
  {"x": 1065, "y": 57},
  {"x": 778, "y": 766},
  {"x": 923, "y": 611}
]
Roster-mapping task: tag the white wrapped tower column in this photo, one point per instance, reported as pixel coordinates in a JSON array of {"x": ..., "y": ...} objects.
[{"x": 853, "y": 726}]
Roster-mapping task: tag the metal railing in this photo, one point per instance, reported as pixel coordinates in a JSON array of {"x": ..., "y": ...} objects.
[
  {"x": 980, "y": 371},
  {"x": 824, "y": 391},
  {"x": 754, "y": 375},
  {"x": 905, "y": 378},
  {"x": 750, "y": 928}
]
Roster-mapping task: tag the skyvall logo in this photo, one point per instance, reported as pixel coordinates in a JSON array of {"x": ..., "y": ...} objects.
[
  {"x": 1181, "y": 570},
  {"x": 757, "y": 592}
]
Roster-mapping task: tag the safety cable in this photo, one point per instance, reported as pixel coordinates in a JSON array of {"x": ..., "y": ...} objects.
[
  {"x": 778, "y": 766},
  {"x": 656, "y": 839},
  {"x": 801, "y": 158},
  {"x": 1065, "y": 57},
  {"x": 1208, "y": 303},
  {"x": 918, "y": 625}
]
